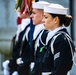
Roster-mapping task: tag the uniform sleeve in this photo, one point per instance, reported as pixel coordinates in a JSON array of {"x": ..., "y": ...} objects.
[
  {"x": 15, "y": 52},
  {"x": 16, "y": 48},
  {"x": 62, "y": 56}
]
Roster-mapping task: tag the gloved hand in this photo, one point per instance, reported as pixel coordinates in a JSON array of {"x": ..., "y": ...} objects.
[
  {"x": 32, "y": 66},
  {"x": 15, "y": 73},
  {"x": 19, "y": 61},
  {"x": 5, "y": 64},
  {"x": 36, "y": 70}
]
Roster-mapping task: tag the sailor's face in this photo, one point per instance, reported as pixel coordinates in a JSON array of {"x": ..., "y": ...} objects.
[{"x": 37, "y": 16}]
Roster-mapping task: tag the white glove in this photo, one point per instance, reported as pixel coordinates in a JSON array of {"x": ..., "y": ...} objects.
[
  {"x": 19, "y": 61},
  {"x": 5, "y": 64},
  {"x": 15, "y": 73},
  {"x": 6, "y": 68},
  {"x": 68, "y": 73},
  {"x": 32, "y": 66},
  {"x": 6, "y": 72}
]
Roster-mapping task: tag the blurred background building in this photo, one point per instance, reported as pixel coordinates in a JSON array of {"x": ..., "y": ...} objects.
[{"x": 8, "y": 26}]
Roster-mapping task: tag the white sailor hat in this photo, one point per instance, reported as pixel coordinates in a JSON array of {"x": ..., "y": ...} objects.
[
  {"x": 40, "y": 4},
  {"x": 55, "y": 9}
]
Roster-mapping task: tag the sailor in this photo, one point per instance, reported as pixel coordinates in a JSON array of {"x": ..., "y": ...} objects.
[
  {"x": 59, "y": 43},
  {"x": 18, "y": 52},
  {"x": 37, "y": 18}
]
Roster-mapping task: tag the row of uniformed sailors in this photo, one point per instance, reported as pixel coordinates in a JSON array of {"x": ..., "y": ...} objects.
[{"x": 52, "y": 57}]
